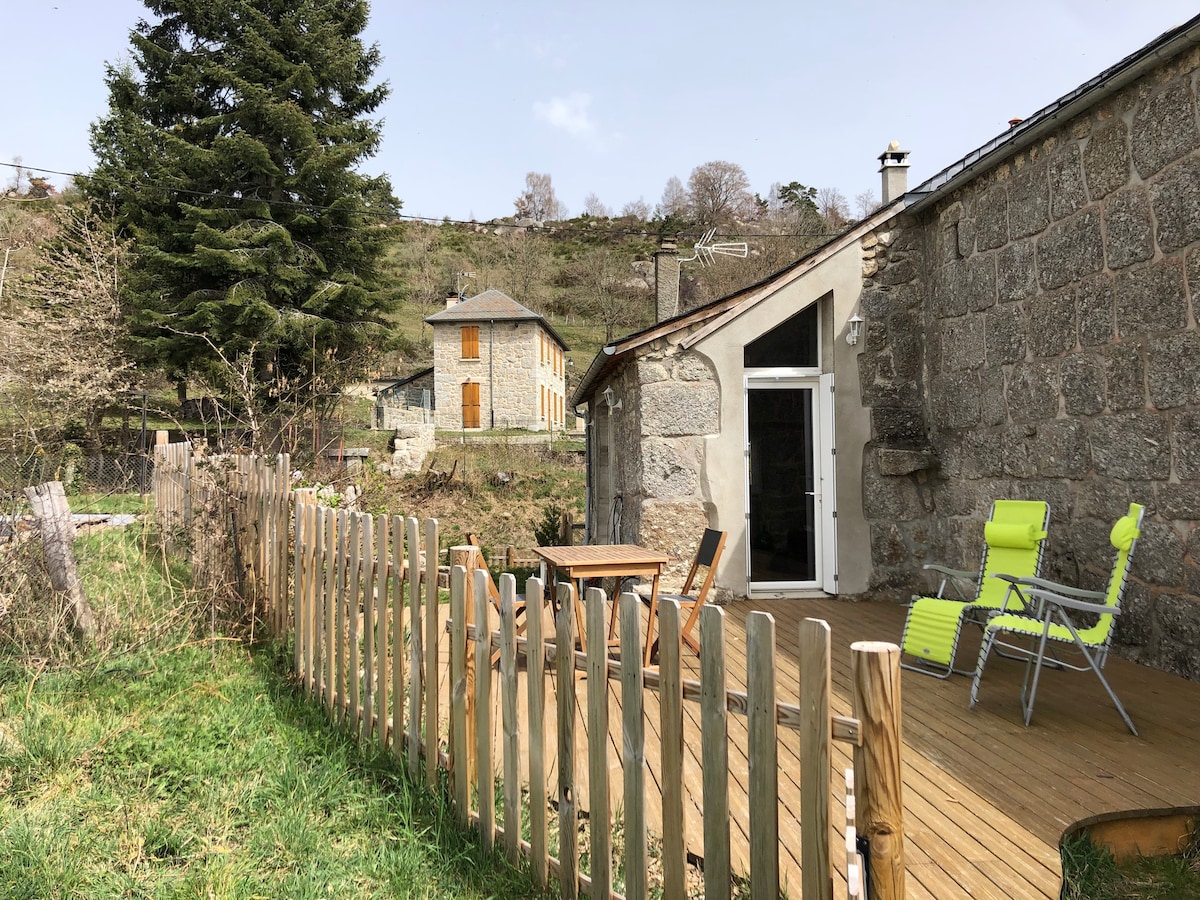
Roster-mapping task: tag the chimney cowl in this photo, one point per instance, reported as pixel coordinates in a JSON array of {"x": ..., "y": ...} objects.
[{"x": 893, "y": 164}]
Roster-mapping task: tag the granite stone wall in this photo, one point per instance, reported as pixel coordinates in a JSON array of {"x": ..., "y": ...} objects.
[{"x": 1035, "y": 335}]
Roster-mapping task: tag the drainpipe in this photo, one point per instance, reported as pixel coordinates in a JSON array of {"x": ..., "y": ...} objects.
[{"x": 492, "y": 373}]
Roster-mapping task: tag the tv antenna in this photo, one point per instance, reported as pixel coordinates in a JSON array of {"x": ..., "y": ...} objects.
[
  {"x": 459, "y": 285},
  {"x": 705, "y": 251}
]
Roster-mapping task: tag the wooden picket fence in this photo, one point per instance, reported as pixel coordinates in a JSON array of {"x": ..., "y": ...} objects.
[{"x": 357, "y": 597}]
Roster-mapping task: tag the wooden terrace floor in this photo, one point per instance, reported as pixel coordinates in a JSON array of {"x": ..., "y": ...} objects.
[{"x": 986, "y": 799}]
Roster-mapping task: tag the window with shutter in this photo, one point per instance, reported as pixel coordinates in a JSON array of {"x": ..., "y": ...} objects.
[{"x": 470, "y": 342}]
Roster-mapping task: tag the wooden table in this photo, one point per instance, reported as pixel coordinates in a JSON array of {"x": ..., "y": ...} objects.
[{"x": 602, "y": 561}]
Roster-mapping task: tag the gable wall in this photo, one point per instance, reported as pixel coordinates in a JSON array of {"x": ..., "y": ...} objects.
[{"x": 1037, "y": 331}]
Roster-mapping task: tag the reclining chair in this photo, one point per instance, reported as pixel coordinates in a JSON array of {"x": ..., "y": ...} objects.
[
  {"x": 1014, "y": 539},
  {"x": 1051, "y": 621}
]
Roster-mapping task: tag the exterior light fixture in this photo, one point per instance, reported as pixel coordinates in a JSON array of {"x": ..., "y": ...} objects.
[
  {"x": 852, "y": 334},
  {"x": 610, "y": 399}
]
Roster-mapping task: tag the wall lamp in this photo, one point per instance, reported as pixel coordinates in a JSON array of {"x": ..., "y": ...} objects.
[
  {"x": 610, "y": 399},
  {"x": 855, "y": 329}
]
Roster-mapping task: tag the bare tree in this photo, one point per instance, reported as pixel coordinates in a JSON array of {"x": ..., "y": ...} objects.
[
  {"x": 835, "y": 210},
  {"x": 593, "y": 207},
  {"x": 538, "y": 201},
  {"x": 527, "y": 266},
  {"x": 638, "y": 209},
  {"x": 719, "y": 192},
  {"x": 674, "y": 200},
  {"x": 865, "y": 203},
  {"x": 610, "y": 291}
]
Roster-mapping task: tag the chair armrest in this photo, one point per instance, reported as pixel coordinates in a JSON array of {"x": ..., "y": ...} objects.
[
  {"x": 955, "y": 578},
  {"x": 1053, "y": 587},
  {"x": 1072, "y": 603}
]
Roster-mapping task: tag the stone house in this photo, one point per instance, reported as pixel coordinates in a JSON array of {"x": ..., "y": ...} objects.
[
  {"x": 1023, "y": 324},
  {"x": 497, "y": 364}
]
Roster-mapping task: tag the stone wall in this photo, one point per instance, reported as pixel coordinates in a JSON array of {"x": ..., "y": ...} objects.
[
  {"x": 509, "y": 351},
  {"x": 1036, "y": 335},
  {"x": 671, "y": 402}
]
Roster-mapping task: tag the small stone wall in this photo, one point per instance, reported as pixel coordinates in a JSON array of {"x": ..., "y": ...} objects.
[{"x": 410, "y": 446}]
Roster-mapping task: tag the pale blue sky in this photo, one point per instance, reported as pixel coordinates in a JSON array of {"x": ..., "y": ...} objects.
[{"x": 614, "y": 98}]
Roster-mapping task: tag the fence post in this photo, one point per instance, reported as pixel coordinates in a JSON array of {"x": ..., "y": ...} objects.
[
  {"x": 714, "y": 733},
  {"x": 464, "y": 555},
  {"x": 763, "y": 753},
  {"x": 815, "y": 745},
  {"x": 568, "y": 833},
  {"x": 880, "y": 807},
  {"x": 459, "y": 780},
  {"x": 539, "y": 853},
  {"x": 633, "y": 745},
  {"x": 597, "y": 701}
]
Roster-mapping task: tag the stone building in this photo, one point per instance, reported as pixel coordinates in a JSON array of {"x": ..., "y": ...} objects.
[
  {"x": 497, "y": 364},
  {"x": 1023, "y": 324}
]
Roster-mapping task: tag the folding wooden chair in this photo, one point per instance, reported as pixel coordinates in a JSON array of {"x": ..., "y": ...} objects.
[
  {"x": 712, "y": 544},
  {"x": 519, "y": 608}
]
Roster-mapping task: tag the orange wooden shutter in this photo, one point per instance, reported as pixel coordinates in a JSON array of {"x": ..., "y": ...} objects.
[
  {"x": 470, "y": 404},
  {"x": 470, "y": 342}
]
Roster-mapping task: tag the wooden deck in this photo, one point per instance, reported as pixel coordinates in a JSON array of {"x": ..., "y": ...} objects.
[{"x": 986, "y": 799}]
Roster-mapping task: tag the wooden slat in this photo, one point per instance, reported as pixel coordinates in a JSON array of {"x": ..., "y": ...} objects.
[
  {"x": 360, "y": 526},
  {"x": 343, "y": 561},
  {"x": 539, "y": 855},
  {"x": 397, "y": 733},
  {"x": 600, "y": 859},
  {"x": 416, "y": 658},
  {"x": 762, "y": 747},
  {"x": 568, "y": 837},
  {"x": 670, "y": 698},
  {"x": 877, "y": 769},
  {"x": 432, "y": 734},
  {"x": 382, "y": 657},
  {"x": 460, "y": 783},
  {"x": 633, "y": 743},
  {"x": 714, "y": 717},
  {"x": 511, "y": 740},
  {"x": 328, "y": 608},
  {"x": 367, "y": 618},
  {"x": 815, "y": 741},
  {"x": 484, "y": 773}
]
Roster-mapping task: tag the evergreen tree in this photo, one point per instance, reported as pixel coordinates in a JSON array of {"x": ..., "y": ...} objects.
[{"x": 229, "y": 154}]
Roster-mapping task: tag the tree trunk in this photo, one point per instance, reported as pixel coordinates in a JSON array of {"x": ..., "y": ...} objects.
[{"x": 49, "y": 503}]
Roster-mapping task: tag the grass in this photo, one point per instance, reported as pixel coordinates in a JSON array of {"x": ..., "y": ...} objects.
[
  {"x": 175, "y": 761},
  {"x": 1091, "y": 873}
]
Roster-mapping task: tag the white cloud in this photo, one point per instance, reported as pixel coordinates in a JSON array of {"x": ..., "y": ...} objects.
[{"x": 569, "y": 114}]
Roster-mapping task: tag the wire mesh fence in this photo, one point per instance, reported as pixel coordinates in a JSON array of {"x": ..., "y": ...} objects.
[{"x": 111, "y": 473}]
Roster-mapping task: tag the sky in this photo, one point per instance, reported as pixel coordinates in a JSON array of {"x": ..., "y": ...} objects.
[{"x": 614, "y": 98}]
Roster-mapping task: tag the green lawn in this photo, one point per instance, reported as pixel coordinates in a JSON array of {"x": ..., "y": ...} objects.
[{"x": 176, "y": 761}]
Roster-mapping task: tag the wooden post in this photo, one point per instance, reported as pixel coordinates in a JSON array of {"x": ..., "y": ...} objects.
[
  {"x": 485, "y": 774},
  {"x": 568, "y": 826},
  {"x": 714, "y": 733},
  {"x": 762, "y": 751},
  {"x": 539, "y": 851},
  {"x": 566, "y": 529},
  {"x": 508, "y": 719},
  {"x": 670, "y": 694},
  {"x": 815, "y": 746},
  {"x": 633, "y": 747},
  {"x": 880, "y": 807},
  {"x": 459, "y": 781},
  {"x": 464, "y": 556},
  {"x": 416, "y": 656},
  {"x": 597, "y": 701},
  {"x": 431, "y": 648},
  {"x": 49, "y": 504}
]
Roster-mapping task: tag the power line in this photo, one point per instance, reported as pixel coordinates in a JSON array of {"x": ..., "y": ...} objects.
[{"x": 391, "y": 216}]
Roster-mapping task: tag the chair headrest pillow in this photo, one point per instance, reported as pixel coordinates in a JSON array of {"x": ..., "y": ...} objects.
[
  {"x": 1020, "y": 537},
  {"x": 1124, "y": 532}
]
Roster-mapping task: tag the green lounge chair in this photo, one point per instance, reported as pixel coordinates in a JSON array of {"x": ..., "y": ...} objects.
[
  {"x": 1014, "y": 538},
  {"x": 1052, "y": 621}
]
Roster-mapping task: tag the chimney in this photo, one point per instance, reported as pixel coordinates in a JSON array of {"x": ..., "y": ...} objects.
[
  {"x": 451, "y": 299},
  {"x": 893, "y": 165},
  {"x": 666, "y": 280}
]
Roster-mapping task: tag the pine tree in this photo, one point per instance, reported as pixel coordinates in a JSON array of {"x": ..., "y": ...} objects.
[{"x": 229, "y": 154}]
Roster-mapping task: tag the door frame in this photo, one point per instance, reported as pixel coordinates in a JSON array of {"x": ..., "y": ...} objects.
[{"x": 824, "y": 472}]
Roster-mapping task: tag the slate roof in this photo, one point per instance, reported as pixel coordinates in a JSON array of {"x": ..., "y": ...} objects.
[{"x": 492, "y": 306}]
